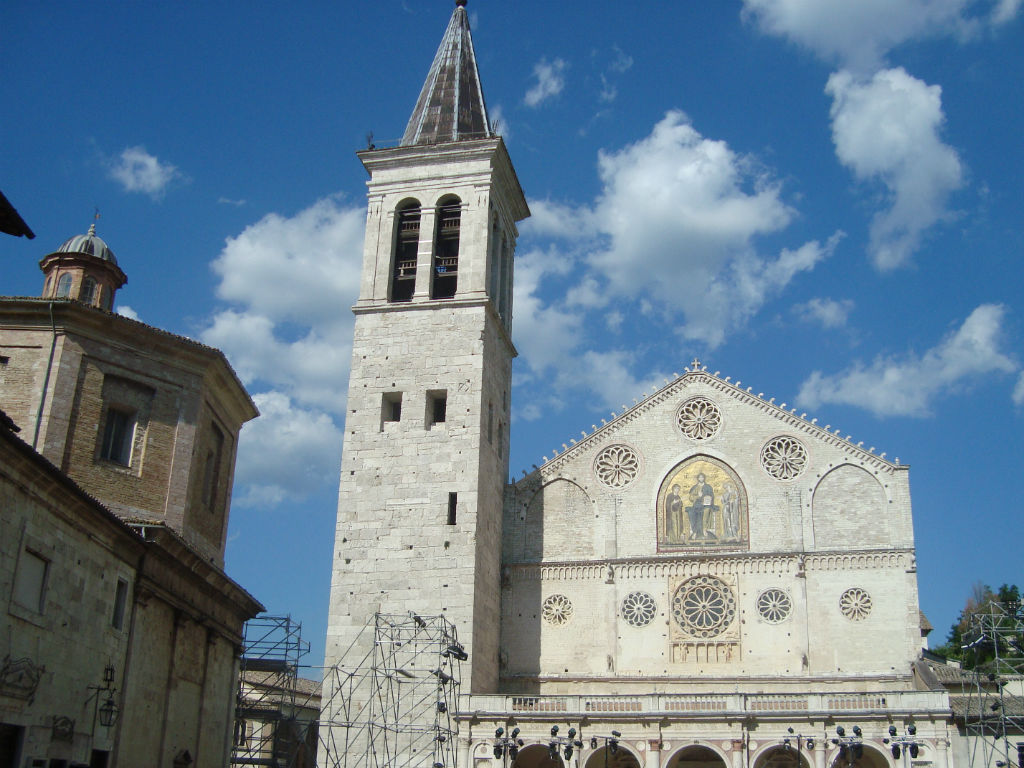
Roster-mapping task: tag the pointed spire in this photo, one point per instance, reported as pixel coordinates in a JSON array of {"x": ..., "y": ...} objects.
[{"x": 451, "y": 105}]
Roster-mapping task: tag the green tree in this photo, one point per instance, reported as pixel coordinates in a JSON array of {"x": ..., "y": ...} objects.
[{"x": 981, "y": 600}]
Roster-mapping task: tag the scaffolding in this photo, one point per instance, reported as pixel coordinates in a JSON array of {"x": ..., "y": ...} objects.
[
  {"x": 390, "y": 703},
  {"x": 276, "y": 711},
  {"x": 994, "y": 686}
]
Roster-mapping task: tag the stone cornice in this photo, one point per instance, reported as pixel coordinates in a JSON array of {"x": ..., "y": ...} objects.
[
  {"x": 371, "y": 307},
  {"x": 796, "y": 564},
  {"x": 76, "y": 319}
]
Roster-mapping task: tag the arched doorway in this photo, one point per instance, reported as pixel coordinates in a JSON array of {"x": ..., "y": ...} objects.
[
  {"x": 696, "y": 756},
  {"x": 605, "y": 757},
  {"x": 536, "y": 756},
  {"x": 784, "y": 756}
]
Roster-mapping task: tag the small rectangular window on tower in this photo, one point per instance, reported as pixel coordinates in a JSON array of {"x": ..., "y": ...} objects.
[
  {"x": 437, "y": 407},
  {"x": 453, "y": 503},
  {"x": 390, "y": 408}
]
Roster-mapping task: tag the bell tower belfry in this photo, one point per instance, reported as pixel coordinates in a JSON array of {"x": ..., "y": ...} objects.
[{"x": 425, "y": 456}]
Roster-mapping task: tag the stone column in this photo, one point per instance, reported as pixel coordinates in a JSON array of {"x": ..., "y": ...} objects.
[
  {"x": 653, "y": 754},
  {"x": 941, "y": 759},
  {"x": 425, "y": 254},
  {"x": 819, "y": 753}
]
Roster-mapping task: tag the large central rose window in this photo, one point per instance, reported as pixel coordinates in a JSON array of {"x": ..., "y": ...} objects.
[{"x": 703, "y": 606}]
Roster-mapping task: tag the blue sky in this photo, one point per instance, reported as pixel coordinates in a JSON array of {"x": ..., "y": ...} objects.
[{"x": 820, "y": 198}]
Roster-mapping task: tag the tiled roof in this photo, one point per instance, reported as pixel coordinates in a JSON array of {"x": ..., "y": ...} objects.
[{"x": 451, "y": 105}]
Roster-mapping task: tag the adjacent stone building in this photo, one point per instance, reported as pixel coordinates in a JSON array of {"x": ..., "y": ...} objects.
[
  {"x": 114, "y": 501},
  {"x": 708, "y": 580}
]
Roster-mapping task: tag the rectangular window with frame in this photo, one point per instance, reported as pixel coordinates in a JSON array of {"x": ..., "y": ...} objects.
[
  {"x": 118, "y": 436},
  {"x": 120, "y": 604},
  {"x": 30, "y": 581}
]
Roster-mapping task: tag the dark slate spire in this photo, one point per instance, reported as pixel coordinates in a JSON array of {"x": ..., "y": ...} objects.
[{"x": 451, "y": 105}]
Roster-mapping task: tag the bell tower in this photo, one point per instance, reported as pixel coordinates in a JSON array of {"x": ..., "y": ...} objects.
[{"x": 425, "y": 456}]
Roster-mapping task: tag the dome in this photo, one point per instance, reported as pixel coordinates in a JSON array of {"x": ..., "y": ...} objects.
[{"x": 90, "y": 244}]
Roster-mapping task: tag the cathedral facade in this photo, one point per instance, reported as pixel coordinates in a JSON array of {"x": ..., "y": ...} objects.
[{"x": 708, "y": 580}]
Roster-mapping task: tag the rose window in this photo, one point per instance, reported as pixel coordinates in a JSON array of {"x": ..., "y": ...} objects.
[
  {"x": 699, "y": 418},
  {"x": 774, "y": 605},
  {"x": 557, "y": 610},
  {"x": 855, "y": 604},
  {"x": 617, "y": 465},
  {"x": 638, "y": 609},
  {"x": 784, "y": 458},
  {"x": 703, "y": 606}
]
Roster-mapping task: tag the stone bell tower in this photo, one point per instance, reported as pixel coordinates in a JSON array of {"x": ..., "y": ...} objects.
[{"x": 425, "y": 456}]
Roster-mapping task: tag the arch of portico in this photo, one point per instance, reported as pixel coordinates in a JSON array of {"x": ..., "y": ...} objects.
[
  {"x": 536, "y": 756},
  {"x": 696, "y": 756},
  {"x": 781, "y": 756},
  {"x": 603, "y": 757},
  {"x": 871, "y": 758}
]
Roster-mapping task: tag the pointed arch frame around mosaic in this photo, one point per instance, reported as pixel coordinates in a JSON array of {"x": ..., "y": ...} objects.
[{"x": 702, "y": 506}]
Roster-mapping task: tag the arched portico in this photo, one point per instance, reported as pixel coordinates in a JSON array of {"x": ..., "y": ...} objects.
[
  {"x": 869, "y": 757},
  {"x": 784, "y": 756},
  {"x": 605, "y": 757},
  {"x": 696, "y": 756},
  {"x": 536, "y": 756}
]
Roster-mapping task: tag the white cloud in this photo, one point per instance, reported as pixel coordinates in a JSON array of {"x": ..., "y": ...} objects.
[
  {"x": 859, "y": 34},
  {"x": 610, "y": 375},
  {"x": 1018, "y": 391},
  {"x": 298, "y": 268},
  {"x": 288, "y": 333},
  {"x": 544, "y": 333},
  {"x": 138, "y": 171},
  {"x": 126, "y": 311},
  {"x": 229, "y": 201},
  {"x": 828, "y": 313},
  {"x": 908, "y": 385},
  {"x": 675, "y": 224},
  {"x": 285, "y": 452},
  {"x": 886, "y": 129},
  {"x": 550, "y": 81},
  {"x": 1005, "y": 11},
  {"x": 621, "y": 62}
]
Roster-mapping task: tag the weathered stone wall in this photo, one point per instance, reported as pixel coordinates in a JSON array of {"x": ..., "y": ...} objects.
[{"x": 70, "y": 637}]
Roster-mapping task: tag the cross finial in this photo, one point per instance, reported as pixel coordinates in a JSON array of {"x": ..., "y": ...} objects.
[{"x": 695, "y": 364}]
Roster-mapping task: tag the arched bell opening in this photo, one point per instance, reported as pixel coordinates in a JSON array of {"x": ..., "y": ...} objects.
[
  {"x": 445, "y": 274},
  {"x": 407, "y": 241}
]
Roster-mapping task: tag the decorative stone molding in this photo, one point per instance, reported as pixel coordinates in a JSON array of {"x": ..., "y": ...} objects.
[
  {"x": 699, "y": 418},
  {"x": 703, "y": 607},
  {"x": 679, "y": 384},
  {"x": 774, "y": 605},
  {"x": 855, "y": 604},
  {"x": 638, "y": 609},
  {"x": 557, "y": 610},
  {"x": 616, "y": 466},
  {"x": 784, "y": 457}
]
